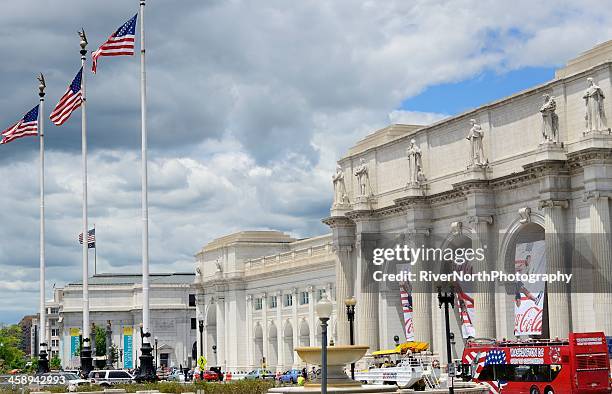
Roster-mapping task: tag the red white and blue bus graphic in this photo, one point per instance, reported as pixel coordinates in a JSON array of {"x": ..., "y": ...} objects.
[{"x": 579, "y": 364}]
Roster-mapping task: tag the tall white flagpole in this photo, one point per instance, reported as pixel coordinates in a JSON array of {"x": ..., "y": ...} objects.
[
  {"x": 145, "y": 201},
  {"x": 146, "y": 360},
  {"x": 86, "y": 351},
  {"x": 44, "y": 361}
]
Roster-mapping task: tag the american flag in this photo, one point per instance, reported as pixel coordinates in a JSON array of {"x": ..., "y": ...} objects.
[
  {"x": 70, "y": 101},
  {"x": 91, "y": 238},
  {"x": 28, "y": 125},
  {"x": 492, "y": 357},
  {"x": 120, "y": 43}
]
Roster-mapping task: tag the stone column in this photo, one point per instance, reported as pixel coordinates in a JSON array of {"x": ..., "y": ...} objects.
[
  {"x": 221, "y": 331},
  {"x": 484, "y": 294},
  {"x": 280, "y": 344},
  {"x": 250, "y": 331},
  {"x": 601, "y": 246},
  {"x": 366, "y": 321},
  {"x": 421, "y": 293},
  {"x": 264, "y": 325},
  {"x": 312, "y": 319},
  {"x": 343, "y": 230},
  {"x": 558, "y": 296},
  {"x": 344, "y": 279},
  {"x": 296, "y": 333}
]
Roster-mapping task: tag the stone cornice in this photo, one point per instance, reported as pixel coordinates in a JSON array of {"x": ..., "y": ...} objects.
[
  {"x": 553, "y": 203},
  {"x": 338, "y": 221},
  {"x": 547, "y": 168},
  {"x": 358, "y": 215},
  {"x": 448, "y": 196},
  {"x": 411, "y": 202},
  {"x": 473, "y": 186},
  {"x": 596, "y": 195},
  {"x": 590, "y": 156},
  {"x": 389, "y": 211},
  {"x": 512, "y": 181}
]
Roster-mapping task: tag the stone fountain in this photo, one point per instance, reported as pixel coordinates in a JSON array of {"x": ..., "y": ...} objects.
[{"x": 338, "y": 357}]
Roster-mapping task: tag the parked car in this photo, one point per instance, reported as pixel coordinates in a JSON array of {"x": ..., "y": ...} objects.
[
  {"x": 260, "y": 373},
  {"x": 209, "y": 376},
  {"x": 290, "y": 376},
  {"x": 176, "y": 376},
  {"x": 110, "y": 377}
]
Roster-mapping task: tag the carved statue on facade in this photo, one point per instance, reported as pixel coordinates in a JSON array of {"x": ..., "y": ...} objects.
[
  {"x": 415, "y": 164},
  {"x": 550, "y": 120},
  {"x": 595, "y": 115},
  {"x": 475, "y": 136},
  {"x": 340, "y": 195},
  {"x": 363, "y": 178}
]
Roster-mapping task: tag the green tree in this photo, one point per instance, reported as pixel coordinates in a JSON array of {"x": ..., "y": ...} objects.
[
  {"x": 11, "y": 357},
  {"x": 100, "y": 341},
  {"x": 55, "y": 363}
]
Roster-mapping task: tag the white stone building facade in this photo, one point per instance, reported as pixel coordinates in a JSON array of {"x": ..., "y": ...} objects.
[
  {"x": 256, "y": 296},
  {"x": 118, "y": 298},
  {"x": 515, "y": 169}
]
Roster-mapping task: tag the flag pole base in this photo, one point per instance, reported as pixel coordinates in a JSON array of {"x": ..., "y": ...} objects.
[
  {"x": 146, "y": 372},
  {"x": 86, "y": 361},
  {"x": 43, "y": 361}
]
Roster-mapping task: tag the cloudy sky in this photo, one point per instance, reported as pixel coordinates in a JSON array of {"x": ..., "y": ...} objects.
[{"x": 250, "y": 105}]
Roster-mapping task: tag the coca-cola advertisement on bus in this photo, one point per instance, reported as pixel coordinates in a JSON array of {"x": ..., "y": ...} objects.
[{"x": 530, "y": 258}]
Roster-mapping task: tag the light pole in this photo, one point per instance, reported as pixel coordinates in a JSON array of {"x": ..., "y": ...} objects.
[
  {"x": 146, "y": 372},
  {"x": 350, "y": 313},
  {"x": 201, "y": 348},
  {"x": 324, "y": 310},
  {"x": 155, "y": 363},
  {"x": 447, "y": 299},
  {"x": 109, "y": 345}
]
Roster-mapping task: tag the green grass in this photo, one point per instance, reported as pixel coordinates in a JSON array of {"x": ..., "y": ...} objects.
[{"x": 237, "y": 387}]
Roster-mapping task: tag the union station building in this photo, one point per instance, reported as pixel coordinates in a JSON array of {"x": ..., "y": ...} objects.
[{"x": 532, "y": 167}]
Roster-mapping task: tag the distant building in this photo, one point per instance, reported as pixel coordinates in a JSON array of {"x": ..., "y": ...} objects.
[
  {"x": 27, "y": 340},
  {"x": 118, "y": 298}
]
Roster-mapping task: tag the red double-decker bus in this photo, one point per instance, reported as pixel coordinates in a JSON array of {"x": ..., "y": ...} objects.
[{"x": 580, "y": 364}]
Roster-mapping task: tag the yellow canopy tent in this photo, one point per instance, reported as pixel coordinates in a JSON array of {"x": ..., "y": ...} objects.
[{"x": 415, "y": 347}]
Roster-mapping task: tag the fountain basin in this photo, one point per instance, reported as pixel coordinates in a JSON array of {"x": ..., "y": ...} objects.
[{"x": 338, "y": 357}]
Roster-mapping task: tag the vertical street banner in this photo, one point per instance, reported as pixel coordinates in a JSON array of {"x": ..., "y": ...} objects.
[
  {"x": 406, "y": 299},
  {"x": 530, "y": 258},
  {"x": 128, "y": 344},
  {"x": 74, "y": 343},
  {"x": 465, "y": 302}
]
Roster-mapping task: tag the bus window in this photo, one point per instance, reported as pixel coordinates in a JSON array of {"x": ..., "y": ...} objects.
[
  {"x": 487, "y": 373},
  {"x": 527, "y": 373}
]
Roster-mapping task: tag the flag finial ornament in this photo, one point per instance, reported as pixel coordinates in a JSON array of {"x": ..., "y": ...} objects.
[
  {"x": 83, "y": 39},
  {"x": 42, "y": 85}
]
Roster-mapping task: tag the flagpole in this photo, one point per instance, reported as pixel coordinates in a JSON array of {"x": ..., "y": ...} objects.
[
  {"x": 95, "y": 251},
  {"x": 86, "y": 360},
  {"x": 146, "y": 359},
  {"x": 43, "y": 362}
]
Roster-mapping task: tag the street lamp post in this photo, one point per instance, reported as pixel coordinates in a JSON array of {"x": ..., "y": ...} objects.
[
  {"x": 146, "y": 373},
  {"x": 156, "y": 358},
  {"x": 324, "y": 310},
  {"x": 447, "y": 299},
  {"x": 109, "y": 345},
  {"x": 350, "y": 313},
  {"x": 201, "y": 348}
]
